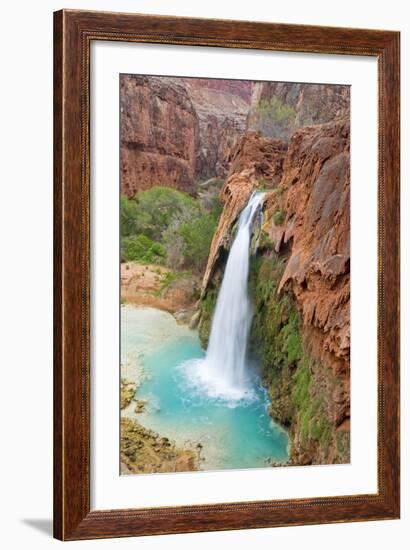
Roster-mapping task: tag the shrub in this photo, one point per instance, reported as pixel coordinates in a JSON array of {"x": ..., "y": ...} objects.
[
  {"x": 275, "y": 118},
  {"x": 128, "y": 214},
  {"x": 276, "y": 109},
  {"x": 151, "y": 211},
  {"x": 177, "y": 228},
  {"x": 279, "y": 217},
  {"x": 188, "y": 239},
  {"x": 139, "y": 248},
  {"x": 197, "y": 237}
]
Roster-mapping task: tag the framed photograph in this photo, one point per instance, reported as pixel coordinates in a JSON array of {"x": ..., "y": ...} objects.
[{"x": 226, "y": 275}]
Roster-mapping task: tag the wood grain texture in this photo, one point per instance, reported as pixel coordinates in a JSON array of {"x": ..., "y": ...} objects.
[{"x": 73, "y": 33}]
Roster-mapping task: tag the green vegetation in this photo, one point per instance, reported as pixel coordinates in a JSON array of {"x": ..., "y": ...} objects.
[
  {"x": 167, "y": 227},
  {"x": 265, "y": 242},
  {"x": 278, "y": 191},
  {"x": 315, "y": 424},
  {"x": 151, "y": 211},
  {"x": 207, "y": 307},
  {"x": 276, "y": 321},
  {"x": 167, "y": 278},
  {"x": 188, "y": 240},
  {"x": 279, "y": 217},
  {"x": 276, "y": 109},
  {"x": 275, "y": 118},
  {"x": 343, "y": 442},
  {"x": 264, "y": 183},
  {"x": 139, "y": 248},
  {"x": 292, "y": 378}
]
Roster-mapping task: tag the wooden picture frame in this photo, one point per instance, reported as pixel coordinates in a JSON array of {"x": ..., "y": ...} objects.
[{"x": 74, "y": 32}]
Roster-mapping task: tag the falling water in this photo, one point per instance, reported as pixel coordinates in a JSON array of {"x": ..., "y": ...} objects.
[
  {"x": 216, "y": 399},
  {"x": 224, "y": 368}
]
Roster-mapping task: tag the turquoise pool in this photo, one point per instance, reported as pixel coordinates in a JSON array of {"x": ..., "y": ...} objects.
[{"x": 234, "y": 433}]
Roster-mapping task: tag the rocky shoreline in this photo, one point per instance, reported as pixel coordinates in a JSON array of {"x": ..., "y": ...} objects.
[
  {"x": 158, "y": 287},
  {"x": 145, "y": 451}
]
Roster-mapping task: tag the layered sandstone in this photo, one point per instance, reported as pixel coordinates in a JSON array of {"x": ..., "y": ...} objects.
[
  {"x": 177, "y": 131},
  {"x": 159, "y": 134},
  {"x": 306, "y": 241},
  {"x": 256, "y": 163},
  {"x": 222, "y": 108},
  {"x": 316, "y": 204}
]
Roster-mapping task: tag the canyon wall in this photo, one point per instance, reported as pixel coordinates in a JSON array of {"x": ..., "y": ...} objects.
[
  {"x": 300, "y": 280},
  {"x": 315, "y": 202},
  {"x": 181, "y": 131},
  {"x": 279, "y": 108},
  {"x": 255, "y": 163},
  {"x": 178, "y": 131},
  {"x": 222, "y": 108},
  {"x": 159, "y": 134},
  {"x": 292, "y": 142}
]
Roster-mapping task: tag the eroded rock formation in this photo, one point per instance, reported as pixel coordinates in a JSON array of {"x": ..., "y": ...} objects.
[
  {"x": 176, "y": 131},
  {"x": 302, "y": 301},
  {"x": 256, "y": 163},
  {"x": 315, "y": 199},
  {"x": 222, "y": 108},
  {"x": 159, "y": 134},
  {"x": 294, "y": 144}
]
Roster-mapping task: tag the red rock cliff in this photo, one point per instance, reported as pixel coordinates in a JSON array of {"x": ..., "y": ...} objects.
[
  {"x": 222, "y": 108},
  {"x": 316, "y": 205},
  {"x": 159, "y": 134},
  {"x": 311, "y": 182},
  {"x": 175, "y": 131},
  {"x": 307, "y": 223},
  {"x": 256, "y": 163},
  {"x": 280, "y": 108}
]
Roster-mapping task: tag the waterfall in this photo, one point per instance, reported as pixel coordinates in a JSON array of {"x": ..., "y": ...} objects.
[{"x": 224, "y": 368}]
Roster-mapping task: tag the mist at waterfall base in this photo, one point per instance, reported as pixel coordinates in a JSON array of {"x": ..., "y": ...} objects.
[
  {"x": 216, "y": 398},
  {"x": 224, "y": 373},
  {"x": 234, "y": 433}
]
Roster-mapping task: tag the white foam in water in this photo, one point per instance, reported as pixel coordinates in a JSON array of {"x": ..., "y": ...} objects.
[
  {"x": 223, "y": 372},
  {"x": 196, "y": 377}
]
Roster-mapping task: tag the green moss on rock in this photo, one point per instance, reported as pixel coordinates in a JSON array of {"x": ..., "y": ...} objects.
[
  {"x": 279, "y": 217},
  {"x": 343, "y": 445},
  {"x": 208, "y": 304},
  {"x": 294, "y": 381},
  {"x": 300, "y": 389}
]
